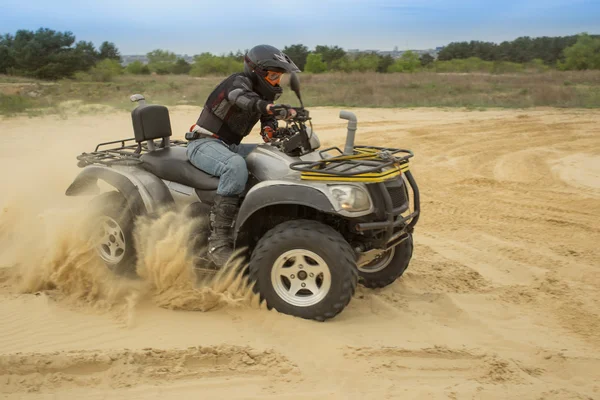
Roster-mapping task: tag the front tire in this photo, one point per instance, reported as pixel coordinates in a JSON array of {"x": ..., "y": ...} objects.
[
  {"x": 304, "y": 268},
  {"x": 113, "y": 224},
  {"x": 390, "y": 266}
]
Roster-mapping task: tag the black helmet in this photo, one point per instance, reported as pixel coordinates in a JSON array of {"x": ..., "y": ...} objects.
[{"x": 261, "y": 59}]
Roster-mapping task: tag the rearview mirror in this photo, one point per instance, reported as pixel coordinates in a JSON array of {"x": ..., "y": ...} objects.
[{"x": 295, "y": 85}]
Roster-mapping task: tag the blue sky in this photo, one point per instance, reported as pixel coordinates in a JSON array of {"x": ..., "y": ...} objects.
[{"x": 195, "y": 26}]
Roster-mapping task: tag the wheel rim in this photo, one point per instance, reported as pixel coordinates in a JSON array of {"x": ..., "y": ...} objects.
[
  {"x": 301, "y": 278},
  {"x": 111, "y": 243},
  {"x": 377, "y": 262}
]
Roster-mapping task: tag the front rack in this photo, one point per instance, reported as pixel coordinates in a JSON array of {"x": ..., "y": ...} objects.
[
  {"x": 126, "y": 154},
  {"x": 366, "y": 164}
]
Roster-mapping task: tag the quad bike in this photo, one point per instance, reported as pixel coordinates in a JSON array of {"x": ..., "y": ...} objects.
[{"x": 313, "y": 222}]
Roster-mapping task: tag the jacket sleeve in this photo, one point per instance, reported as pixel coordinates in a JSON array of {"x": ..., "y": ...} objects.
[{"x": 241, "y": 94}]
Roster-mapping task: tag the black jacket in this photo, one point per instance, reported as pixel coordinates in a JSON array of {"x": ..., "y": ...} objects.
[{"x": 233, "y": 108}]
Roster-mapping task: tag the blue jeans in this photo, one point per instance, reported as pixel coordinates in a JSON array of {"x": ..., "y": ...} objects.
[{"x": 227, "y": 162}]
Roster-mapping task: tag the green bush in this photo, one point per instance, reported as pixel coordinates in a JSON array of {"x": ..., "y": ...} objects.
[
  {"x": 315, "y": 64},
  {"x": 584, "y": 54},
  {"x": 181, "y": 67},
  {"x": 81, "y": 76},
  {"x": 137, "y": 68},
  {"x": 208, "y": 64},
  {"x": 365, "y": 63},
  {"x": 409, "y": 62},
  {"x": 161, "y": 61},
  {"x": 106, "y": 70},
  {"x": 537, "y": 65}
]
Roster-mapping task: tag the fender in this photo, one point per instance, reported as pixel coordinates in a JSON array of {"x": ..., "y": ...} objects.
[
  {"x": 267, "y": 194},
  {"x": 143, "y": 191}
]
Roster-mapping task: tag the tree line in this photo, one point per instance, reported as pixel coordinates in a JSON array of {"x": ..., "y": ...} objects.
[
  {"x": 48, "y": 54},
  {"x": 552, "y": 51}
]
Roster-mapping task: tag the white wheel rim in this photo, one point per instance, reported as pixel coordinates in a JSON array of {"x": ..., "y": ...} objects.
[
  {"x": 378, "y": 263},
  {"x": 111, "y": 245},
  {"x": 301, "y": 278}
]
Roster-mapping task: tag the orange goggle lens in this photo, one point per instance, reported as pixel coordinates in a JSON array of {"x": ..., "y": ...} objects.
[{"x": 273, "y": 77}]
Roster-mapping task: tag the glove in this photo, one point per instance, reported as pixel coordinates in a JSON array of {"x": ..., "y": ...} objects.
[
  {"x": 282, "y": 111},
  {"x": 267, "y": 133}
]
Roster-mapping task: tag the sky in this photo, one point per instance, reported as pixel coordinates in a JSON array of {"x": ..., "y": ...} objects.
[{"x": 196, "y": 26}]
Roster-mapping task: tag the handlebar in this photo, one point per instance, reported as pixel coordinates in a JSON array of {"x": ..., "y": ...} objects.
[
  {"x": 293, "y": 139},
  {"x": 302, "y": 114}
]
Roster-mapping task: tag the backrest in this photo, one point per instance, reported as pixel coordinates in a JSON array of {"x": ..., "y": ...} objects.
[{"x": 151, "y": 122}]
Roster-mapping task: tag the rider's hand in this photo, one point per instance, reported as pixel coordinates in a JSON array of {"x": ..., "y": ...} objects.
[
  {"x": 267, "y": 134},
  {"x": 281, "y": 111}
]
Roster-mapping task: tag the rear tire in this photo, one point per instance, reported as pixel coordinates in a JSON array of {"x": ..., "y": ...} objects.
[
  {"x": 304, "y": 268},
  {"x": 113, "y": 223},
  {"x": 387, "y": 271}
]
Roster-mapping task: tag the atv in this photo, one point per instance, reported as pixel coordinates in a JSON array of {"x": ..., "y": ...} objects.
[{"x": 313, "y": 222}]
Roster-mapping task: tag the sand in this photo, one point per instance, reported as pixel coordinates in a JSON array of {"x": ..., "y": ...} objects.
[{"x": 500, "y": 301}]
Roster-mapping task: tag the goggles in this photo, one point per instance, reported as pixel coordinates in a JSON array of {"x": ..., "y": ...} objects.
[{"x": 273, "y": 77}]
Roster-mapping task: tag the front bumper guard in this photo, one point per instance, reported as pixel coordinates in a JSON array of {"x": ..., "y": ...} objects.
[{"x": 394, "y": 220}]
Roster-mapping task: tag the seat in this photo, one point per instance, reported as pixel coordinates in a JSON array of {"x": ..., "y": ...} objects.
[
  {"x": 150, "y": 122},
  {"x": 172, "y": 164}
]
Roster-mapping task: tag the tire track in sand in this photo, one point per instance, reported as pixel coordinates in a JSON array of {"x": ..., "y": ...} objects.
[{"x": 42, "y": 372}]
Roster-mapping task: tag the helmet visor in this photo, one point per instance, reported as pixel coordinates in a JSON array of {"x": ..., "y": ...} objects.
[{"x": 273, "y": 77}]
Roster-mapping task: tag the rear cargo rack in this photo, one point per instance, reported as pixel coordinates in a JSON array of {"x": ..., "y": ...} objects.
[
  {"x": 125, "y": 154},
  {"x": 366, "y": 164}
]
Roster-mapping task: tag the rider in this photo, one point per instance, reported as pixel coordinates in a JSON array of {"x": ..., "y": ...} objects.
[{"x": 230, "y": 113}]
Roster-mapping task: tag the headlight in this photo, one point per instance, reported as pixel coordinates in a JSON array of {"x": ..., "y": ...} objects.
[{"x": 351, "y": 198}]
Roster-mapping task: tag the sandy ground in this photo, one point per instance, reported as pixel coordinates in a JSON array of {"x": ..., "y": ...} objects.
[{"x": 501, "y": 299}]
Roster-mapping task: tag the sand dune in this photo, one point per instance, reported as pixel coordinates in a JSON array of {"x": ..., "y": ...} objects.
[{"x": 501, "y": 299}]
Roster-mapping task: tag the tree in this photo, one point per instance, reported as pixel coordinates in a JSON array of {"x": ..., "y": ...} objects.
[
  {"x": 47, "y": 54},
  {"x": 426, "y": 59},
  {"x": 86, "y": 55},
  {"x": 522, "y": 50},
  {"x": 584, "y": 54},
  {"x": 237, "y": 56},
  {"x": 209, "y": 64},
  {"x": 330, "y": 54},
  {"x": 366, "y": 62},
  {"x": 384, "y": 63},
  {"x": 6, "y": 59},
  {"x": 298, "y": 53},
  {"x": 161, "y": 61},
  {"x": 315, "y": 63},
  {"x": 409, "y": 62},
  {"x": 110, "y": 51},
  {"x": 454, "y": 50},
  {"x": 181, "y": 67}
]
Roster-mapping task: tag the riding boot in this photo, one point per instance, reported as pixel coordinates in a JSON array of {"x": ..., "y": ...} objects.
[{"x": 222, "y": 217}]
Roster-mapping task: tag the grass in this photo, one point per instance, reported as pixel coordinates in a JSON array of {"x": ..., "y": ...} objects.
[
  {"x": 423, "y": 89},
  {"x": 13, "y": 104}
]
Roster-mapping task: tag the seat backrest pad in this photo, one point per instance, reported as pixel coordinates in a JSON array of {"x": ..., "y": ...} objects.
[{"x": 151, "y": 122}]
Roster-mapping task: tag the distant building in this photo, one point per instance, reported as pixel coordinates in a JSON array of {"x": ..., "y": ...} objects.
[{"x": 128, "y": 59}]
